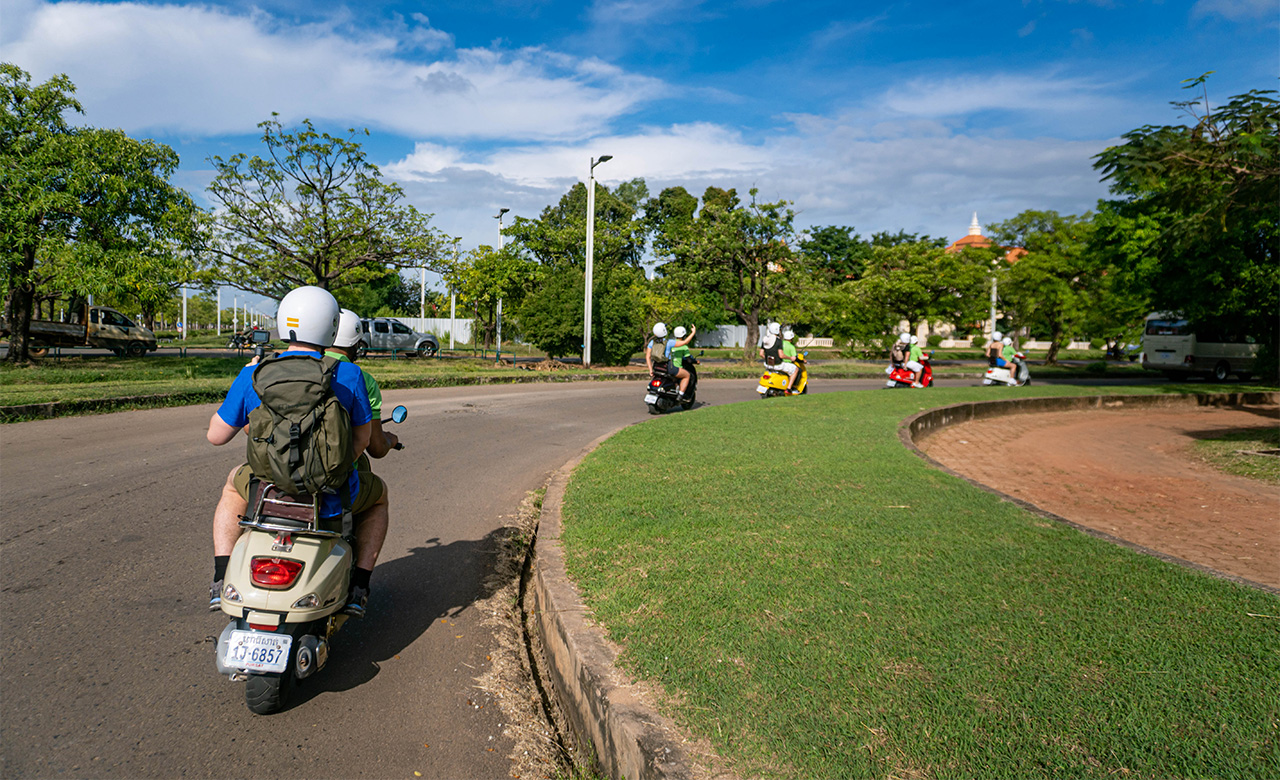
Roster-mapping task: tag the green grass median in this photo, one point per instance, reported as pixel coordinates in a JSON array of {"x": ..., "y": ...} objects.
[{"x": 819, "y": 603}]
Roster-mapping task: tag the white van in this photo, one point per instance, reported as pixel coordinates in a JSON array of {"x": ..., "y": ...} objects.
[{"x": 1179, "y": 349}]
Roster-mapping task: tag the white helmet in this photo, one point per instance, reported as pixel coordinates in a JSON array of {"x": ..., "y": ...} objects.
[
  {"x": 905, "y": 338},
  {"x": 681, "y": 332},
  {"x": 660, "y": 330},
  {"x": 788, "y": 334},
  {"x": 309, "y": 315},
  {"x": 1007, "y": 341},
  {"x": 774, "y": 329},
  {"x": 996, "y": 336},
  {"x": 348, "y": 329},
  {"x": 914, "y": 340}
]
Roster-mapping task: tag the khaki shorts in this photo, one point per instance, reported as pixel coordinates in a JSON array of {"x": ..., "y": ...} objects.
[{"x": 372, "y": 488}]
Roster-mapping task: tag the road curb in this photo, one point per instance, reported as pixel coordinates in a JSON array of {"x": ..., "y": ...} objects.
[
  {"x": 922, "y": 425},
  {"x": 630, "y": 739}
]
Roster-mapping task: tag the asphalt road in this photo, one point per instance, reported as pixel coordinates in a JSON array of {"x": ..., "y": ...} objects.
[{"x": 106, "y": 645}]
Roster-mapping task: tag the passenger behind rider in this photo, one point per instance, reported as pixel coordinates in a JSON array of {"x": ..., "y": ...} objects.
[
  {"x": 914, "y": 357},
  {"x": 373, "y": 520},
  {"x": 993, "y": 349},
  {"x": 788, "y": 364},
  {"x": 317, "y": 315},
  {"x": 771, "y": 347},
  {"x": 898, "y": 352}
]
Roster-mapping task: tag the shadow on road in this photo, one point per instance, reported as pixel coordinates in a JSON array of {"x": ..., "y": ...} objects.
[{"x": 409, "y": 594}]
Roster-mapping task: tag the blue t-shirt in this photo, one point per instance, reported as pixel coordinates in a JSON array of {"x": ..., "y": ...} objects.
[{"x": 348, "y": 386}]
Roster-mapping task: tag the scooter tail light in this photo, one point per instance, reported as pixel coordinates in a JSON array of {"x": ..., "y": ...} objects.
[
  {"x": 274, "y": 573},
  {"x": 262, "y": 627}
]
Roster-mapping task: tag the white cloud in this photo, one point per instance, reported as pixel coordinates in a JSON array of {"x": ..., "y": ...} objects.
[
  {"x": 1025, "y": 94},
  {"x": 195, "y": 69},
  {"x": 1237, "y": 10}
]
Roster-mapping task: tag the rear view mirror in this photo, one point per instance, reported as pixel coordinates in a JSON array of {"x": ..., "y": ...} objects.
[{"x": 399, "y": 414}]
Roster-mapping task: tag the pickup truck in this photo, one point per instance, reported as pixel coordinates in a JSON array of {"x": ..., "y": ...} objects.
[
  {"x": 382, "y": 334},
  {"x": 101, "y": 326}
]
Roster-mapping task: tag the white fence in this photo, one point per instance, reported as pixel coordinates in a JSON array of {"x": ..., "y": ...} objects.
[{"x": 440, "y": 327}]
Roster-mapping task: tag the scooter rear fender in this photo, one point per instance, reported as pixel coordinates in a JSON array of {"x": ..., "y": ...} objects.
[{"x": 326, "y": 572}]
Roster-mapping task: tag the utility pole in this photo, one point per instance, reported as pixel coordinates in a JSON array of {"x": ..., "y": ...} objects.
[
  {"x": 498, "y": 356},
  {"x": 591, "y": 240}
]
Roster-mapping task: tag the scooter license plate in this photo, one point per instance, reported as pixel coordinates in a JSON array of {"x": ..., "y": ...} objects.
[
  {"x": 651, "y": 399},
  {"x": 257, "y": 652}
]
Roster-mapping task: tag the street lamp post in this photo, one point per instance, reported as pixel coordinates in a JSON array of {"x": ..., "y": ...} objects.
[
  {"x": 498, "y": 357},
  {"x": 591, "y": 240}
]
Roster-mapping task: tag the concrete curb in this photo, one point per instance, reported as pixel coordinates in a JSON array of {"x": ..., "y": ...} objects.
[
  {"x": 920, "y": 426},
  {"x": 630, "y": 739}
]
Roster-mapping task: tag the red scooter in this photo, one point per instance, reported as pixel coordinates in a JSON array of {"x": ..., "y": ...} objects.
[{"x": 900, "y": 376}]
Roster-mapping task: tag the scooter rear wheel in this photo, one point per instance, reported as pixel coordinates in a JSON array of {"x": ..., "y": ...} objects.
[
  {"x": 653, "y": 409},
  {"x": 687, "y": 403},
  {"x": 268, "y": 693}
]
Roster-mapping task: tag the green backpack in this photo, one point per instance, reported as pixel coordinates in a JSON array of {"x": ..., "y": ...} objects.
[{"x": 300, "y": 435}]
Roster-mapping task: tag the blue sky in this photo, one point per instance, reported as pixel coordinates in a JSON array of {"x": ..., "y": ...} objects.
[{"x": 904, "y": 115}]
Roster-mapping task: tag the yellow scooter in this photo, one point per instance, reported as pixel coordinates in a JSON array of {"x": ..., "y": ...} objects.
[{"x": 774, "y": 382}]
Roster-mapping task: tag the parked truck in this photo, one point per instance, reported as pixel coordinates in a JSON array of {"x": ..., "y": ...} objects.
[{"x": 99, "y": 326}]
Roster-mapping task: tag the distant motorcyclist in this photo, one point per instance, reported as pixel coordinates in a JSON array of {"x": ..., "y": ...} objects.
[
  {"x": 1007, "y": 354},
  {"x": 658, "y": 354}
]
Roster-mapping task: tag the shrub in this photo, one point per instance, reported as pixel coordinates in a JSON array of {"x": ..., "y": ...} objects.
[
  {"x": 1097, "y": 343},
  {"x": 978, "y": 341},
  {"x": 934, "y": 340},
  {"x": 1097, "y": 366}
]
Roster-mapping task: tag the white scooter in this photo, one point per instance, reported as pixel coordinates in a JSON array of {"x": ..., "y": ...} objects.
[
  {"x": 285, "y": 587},
  {"x": 1002, "y": 375}
]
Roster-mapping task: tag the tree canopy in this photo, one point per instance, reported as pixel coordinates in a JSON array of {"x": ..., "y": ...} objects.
[
  {"x": 315, "y": 211},
  {"x": 82, "y": 210},
  {"x": 1200, "y": 199}
]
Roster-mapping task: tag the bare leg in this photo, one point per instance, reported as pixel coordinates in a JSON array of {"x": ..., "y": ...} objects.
[
  {"x": 370, "y": 533},
  {"x": 683, "y": 376},
  {"x": 226, "y": 518}
]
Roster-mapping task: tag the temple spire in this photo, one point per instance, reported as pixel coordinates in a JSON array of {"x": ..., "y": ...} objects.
[{"x": 974, "y": 228}]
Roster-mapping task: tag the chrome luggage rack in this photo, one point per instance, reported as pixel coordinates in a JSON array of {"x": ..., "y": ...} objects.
[{"x": 283, "y": 515}]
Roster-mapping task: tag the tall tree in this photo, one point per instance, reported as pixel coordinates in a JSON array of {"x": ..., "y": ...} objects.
[
  {"x": 1211, "y": 187},
  {"x": 315, "y": 211},
  {"x": 743, "y": 253},
  {"x": 92, "y": 209},
  {"x": 838, "y": 253},
  {"x": 551, "y": 317},
  {"x": 484, "y": 277},
  {"x": 1059, "y": 280},
  {"x": 922, "y": 282}
]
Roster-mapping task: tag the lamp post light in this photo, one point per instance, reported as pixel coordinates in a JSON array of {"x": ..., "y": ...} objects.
[
  {"x": 498, "y": 356},
  {"x": 591, "y": 240}
]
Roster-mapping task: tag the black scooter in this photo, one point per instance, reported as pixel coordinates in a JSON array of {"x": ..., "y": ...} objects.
[{"x": 663, "y": 393}]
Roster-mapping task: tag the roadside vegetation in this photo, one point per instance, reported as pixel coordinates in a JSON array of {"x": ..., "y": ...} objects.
[
  {"x": 1253, "y": 453},
  {"x": 819, "y": 603}
]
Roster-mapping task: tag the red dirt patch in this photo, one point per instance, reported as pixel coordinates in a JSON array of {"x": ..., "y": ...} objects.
[{"x": 1131, "y": 474}]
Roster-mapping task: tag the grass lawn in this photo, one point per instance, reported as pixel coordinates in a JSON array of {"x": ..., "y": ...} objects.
[
  {"x": 201, "y": 379},
  {"x": 819, "y": 603}
]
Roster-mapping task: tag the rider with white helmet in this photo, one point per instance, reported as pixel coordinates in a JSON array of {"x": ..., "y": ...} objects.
[
  {"x": 993, "y": 349},
  {"x": 307, "y": 318},
  {"x": 771, "y": 345},
  {"x": 788, "y": 365}
]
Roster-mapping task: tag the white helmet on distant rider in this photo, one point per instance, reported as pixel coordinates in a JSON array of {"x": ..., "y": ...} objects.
[
  {"x": 681, "y": 332},
  {"x": 1007, "y": 341},
  {"x": 915, "y": 340},
  {"x": 788, "y": 334},
  {"x": 308, "y": 315},
  {"x": 996, "y": 336},
  {"x": 660, "y": 330},
  {"x": 774, "y": 329},
  {"x": 905, "y": 338},
  {"x": 348, "y": 329}
]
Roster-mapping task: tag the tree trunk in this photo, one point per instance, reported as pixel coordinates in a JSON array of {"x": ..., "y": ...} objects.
[
  {"x": 749, "y": 344},
  {"x": 20, "y": 301},
  {"x": 1052, "y": 358}
]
